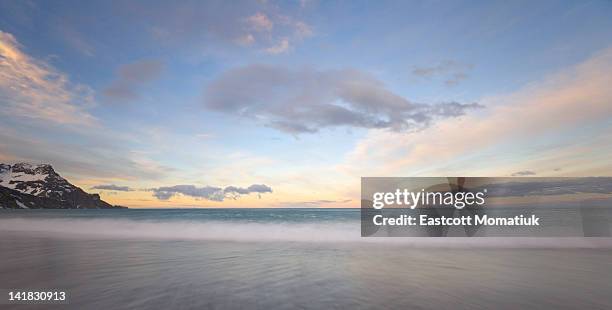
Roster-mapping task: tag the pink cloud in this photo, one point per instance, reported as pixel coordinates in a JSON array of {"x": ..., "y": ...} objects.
[{"x": 563, "y": 102}]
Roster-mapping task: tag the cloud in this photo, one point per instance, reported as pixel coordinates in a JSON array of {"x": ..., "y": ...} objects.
[
  {"x": 74, "y": 38},
  {"x": 35, "y": 97},
  {"x": 450, "y": 71},
  {"x": 112, "y": 187},
  {"x": 281, "y": 47},
  {"x": 260, "y": 22},
  {"x": 302, "y": 30},
  {"x": 304, "y": 3},
  {"x": 292, "y": 31},
  {"x": 552, "y": 108},
  {"x": 205, "y": 136},
  {"x": 208, "y": 192},
  {"x": 259, "y": 25},
  {"x": 131, "y": 77},
  {"x": 81, "y": 154},
  {"x": 277, "y": 31},
  {"x": 455, "y": 78},
  {"x": 255, "y": 188},
  {"x": 306, "y": 100},
  {"x": 549, "y": 188},
  {"x": 314, "y": 203},
  {"x": 31, "y": 88},
  {"x": 523, "y": 173},
  {"x": 192, "y": 22},
  {"x": 245, "y": 40}
]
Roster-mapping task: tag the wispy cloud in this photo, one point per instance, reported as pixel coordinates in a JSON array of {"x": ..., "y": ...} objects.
[
  {"x": 245, "y": 40},
  {"x": 260, "y": 25},
  {"x": 33, "y": 89},
  {"x": 564, "y": 101},
  {"x": 306, "y": 100},
  {"x": 75, "y": 38},
  {"x": 302, "y": 30},
  {"x": 314, "y": 203},
  {"x": 131, "y": 77},
  {"x": 112, "y": 187},
  {"x": 278, "y": 32},
  {"x": 523, "y": 173},
  {"x": 280, "y": 47},
  {"x": 452, "y": 72},
  {"x": 259, "y": 22},
  {"x": 549, "y": 188},
  {"x": 82, "y": 155}
]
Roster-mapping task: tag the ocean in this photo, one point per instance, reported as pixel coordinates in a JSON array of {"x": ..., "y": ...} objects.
[{"x": 287, "y": 258}]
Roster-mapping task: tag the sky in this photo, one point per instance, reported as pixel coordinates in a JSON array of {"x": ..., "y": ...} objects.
[{"x": 289, "y": 103}]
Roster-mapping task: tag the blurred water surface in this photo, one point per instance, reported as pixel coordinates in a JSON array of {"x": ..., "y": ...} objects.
[{"x": 194, "y": 259}]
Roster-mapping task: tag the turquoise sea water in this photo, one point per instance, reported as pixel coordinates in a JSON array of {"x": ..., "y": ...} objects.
[{"x": 226, "y": 214}]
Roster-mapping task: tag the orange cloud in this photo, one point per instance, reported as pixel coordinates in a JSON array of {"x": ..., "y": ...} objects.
[
  {"x": 561, "y": 103},
  {"x": 33, "y": 89}
]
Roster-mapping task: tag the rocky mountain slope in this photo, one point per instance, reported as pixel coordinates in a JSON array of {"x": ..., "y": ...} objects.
[{"x": 29, "y": 186}]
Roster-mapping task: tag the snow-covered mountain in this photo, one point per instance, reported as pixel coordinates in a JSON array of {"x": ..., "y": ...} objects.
[{"x": 25, "y": 185}]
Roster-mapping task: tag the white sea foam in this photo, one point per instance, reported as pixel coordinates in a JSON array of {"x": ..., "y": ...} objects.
[{"x": 342, "y": 232}]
